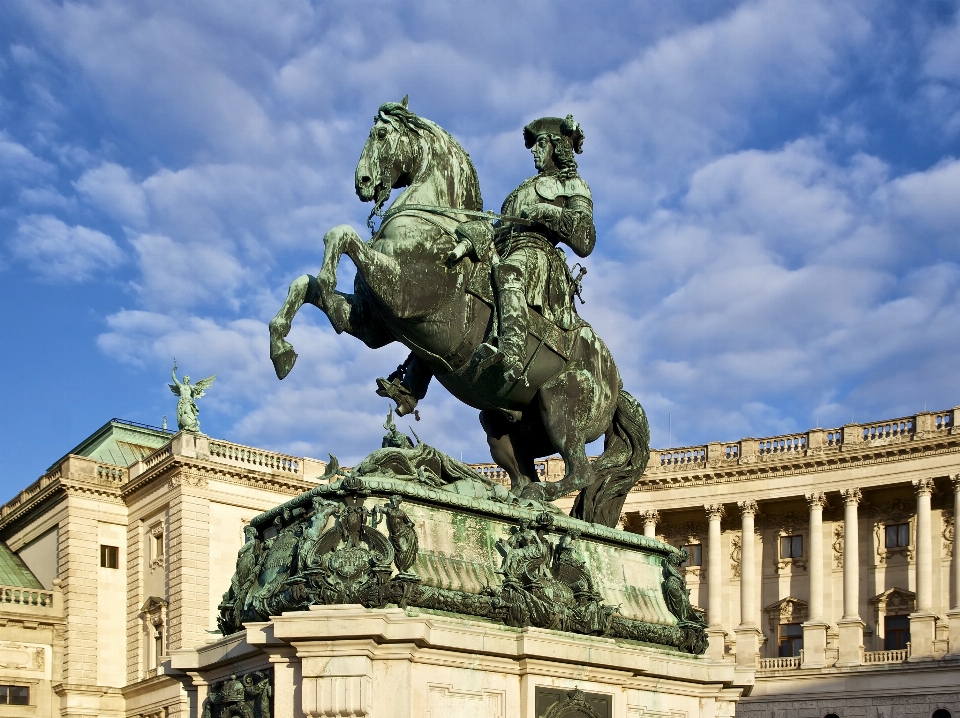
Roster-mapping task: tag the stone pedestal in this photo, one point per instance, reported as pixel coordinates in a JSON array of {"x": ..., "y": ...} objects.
[
  {"x": 717, "y": 638},
  {"x": 851, "y": 642},
  {"x": 392, "y": 663},
  {"x": 954, "y": 647},
  {"x": 923, "y": 629},
  {"x": 814, "y": 645},
  {"x": 748, "y": 645}
]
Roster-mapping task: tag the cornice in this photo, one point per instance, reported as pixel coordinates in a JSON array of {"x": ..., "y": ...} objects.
[
  {"x": 875, "y": 456},
  {"x": 51, "y": 490},
  {"x": 198, "y": 472}
]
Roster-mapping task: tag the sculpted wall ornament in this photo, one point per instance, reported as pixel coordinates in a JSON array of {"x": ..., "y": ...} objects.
[
  {"x": 246, "y": 696},
  {"x": 837, "y": 546},
  {"x": 331, "y": 552},
  {"x": 949, "y": 526},
  {"x": 736, "y": 555}
]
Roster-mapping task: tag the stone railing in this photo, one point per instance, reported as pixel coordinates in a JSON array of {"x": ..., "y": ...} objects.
[
  {"x": 157, "y": 456},
  {"x": 779, "y": 446},
  {"x": 20, "y": 596},
  {"x": 682, "y": 458},
  {"x": 890, "y": 431},
  {"x": 899, "y": 656},
  {"x": 778, "y": 664},
  {"x": 109, "y": 474},
  {"x": 249, "y": 456},
  {"x": 29, "y": 492},
  {"x": 498, "y": 474}
]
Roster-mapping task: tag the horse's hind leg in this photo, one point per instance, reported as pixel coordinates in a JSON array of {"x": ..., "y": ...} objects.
[
  {"x": 304, "y": 289},
  {"x": 508, "y": 450}
]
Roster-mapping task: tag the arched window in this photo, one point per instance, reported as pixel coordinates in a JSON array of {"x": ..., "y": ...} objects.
[
  {"x": 941, "y": 713},
  {"x": 831, "y": 715}
]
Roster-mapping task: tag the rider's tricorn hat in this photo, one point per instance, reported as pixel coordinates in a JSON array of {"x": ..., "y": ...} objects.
[{"x": 567, "y": 128}]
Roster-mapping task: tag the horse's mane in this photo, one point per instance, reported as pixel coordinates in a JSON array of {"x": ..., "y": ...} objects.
[{"x": 466, "y": 194}]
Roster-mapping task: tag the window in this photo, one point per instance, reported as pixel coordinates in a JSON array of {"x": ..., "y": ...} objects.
[
  {"x": 941, "y": 713},
  {"x": 696, "y": 554},
  {"x": 896, "y": 632},
  {"x": 831, "y": 715},
  {"x": 791, "y": 547},
  {"x": 791, "y": 639},
  {"x": 157, "y": 646},
  {"x": 897, "y": 535},
  {"x": 109, "y": 556},
  {"x": 14, "y": 695}
]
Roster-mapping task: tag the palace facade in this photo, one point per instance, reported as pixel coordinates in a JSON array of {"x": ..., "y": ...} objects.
[{"x": 826, "y": 563}]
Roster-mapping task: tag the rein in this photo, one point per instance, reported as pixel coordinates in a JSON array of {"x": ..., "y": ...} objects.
[{"x": 434, "y": 209}]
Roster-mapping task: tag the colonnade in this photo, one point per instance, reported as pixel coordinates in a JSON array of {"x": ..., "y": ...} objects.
[{"x": 850, "y": 625}]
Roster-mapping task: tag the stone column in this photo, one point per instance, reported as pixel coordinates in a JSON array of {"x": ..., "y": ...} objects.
[
  {"x": 650, "y": 519},
  {"x": 953, "y": 615},
  {"x": 815, "y": 628},
  {"x": 851, "y": 627},
  {"x": 923, "y": 622},
  {"x": 715, "y": 633},
  {"x": 748, "y": 634}
]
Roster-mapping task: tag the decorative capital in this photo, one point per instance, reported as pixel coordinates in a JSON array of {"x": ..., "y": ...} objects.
[
  {"x": 955, "y": 480},
  {"x": 714, "y": 511},
  {"x": 651, "y": 515},
  {"x": 816, "y": 500},
  {"x": 924, "y": 487},
  {"x": 851, "y": 496},
  {"x": 748, "y": 508}
]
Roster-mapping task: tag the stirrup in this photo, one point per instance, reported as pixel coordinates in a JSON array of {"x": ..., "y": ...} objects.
[
  {"x": 406, "y": 402},
  {"x": 488, "y": 356}
]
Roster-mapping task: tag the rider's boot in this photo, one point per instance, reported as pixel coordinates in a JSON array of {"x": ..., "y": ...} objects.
[
  {"x": 404, "y": 399},
  {"x": 513, "y": 332}
]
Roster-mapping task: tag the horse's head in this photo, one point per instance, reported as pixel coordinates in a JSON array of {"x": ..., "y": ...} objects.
[
  {"x": 404, "y": 148},
  {"x": 391, "y": 154}
]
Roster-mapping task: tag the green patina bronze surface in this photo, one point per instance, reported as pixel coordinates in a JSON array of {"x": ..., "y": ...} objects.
[
  {"x": 485, "y": 307},
  {"x": 412, "y": 540}
]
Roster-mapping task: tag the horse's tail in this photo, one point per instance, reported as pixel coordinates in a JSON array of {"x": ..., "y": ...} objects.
[{"x": 619, "y": 468}]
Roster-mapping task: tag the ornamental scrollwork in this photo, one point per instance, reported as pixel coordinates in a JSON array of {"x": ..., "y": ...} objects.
[
  {"x": 331, "y": 552},
  {"x": 248, "y": 696}
]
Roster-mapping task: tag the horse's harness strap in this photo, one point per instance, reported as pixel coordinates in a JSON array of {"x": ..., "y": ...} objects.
[{"x": 436, "y": 209}]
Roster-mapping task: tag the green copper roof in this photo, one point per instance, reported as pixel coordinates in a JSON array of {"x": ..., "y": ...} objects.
[
  {"x": 14, "y": 572},
  {"x": 121, "y": 443}
]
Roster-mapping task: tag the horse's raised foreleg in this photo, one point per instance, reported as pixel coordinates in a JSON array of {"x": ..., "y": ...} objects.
[
  {"x": 302, "y": 290},
  {"x": 380, "y": 271}
]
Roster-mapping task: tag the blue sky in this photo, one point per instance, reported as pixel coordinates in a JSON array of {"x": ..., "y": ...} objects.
[{"x": 777, "y": 197}]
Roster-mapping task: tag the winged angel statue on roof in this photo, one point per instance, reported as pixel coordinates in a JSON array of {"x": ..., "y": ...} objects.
[{"x": 187, "y": 395}]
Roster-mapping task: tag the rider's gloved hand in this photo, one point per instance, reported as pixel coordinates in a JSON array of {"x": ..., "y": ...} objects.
[{"x": 544, "y": 213}]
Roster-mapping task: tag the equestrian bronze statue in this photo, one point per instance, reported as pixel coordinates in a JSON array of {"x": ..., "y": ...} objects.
[{"x": 485, "y": 303}]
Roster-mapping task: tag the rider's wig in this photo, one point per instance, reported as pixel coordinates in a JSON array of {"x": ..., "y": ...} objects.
[{"x": 565, "y": 135}]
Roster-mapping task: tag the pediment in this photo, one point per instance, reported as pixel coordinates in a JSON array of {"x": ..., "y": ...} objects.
[
  {"x": 154, "y": 603},
  {"x": 787, "y": 610},
  {"x": 895, "y": 601}
]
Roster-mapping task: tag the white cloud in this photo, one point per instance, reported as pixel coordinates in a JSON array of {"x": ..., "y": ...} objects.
[
  {"x": 178, "y": 274},
  {"x": 111, "y": 188},
  {"x": 57, "y": 251}
]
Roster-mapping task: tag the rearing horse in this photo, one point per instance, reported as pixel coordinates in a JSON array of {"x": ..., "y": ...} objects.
[{"x": 406, "y": 290}]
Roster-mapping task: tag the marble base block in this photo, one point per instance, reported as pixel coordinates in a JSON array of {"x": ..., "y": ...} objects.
[{"x": 347, "y": 660}]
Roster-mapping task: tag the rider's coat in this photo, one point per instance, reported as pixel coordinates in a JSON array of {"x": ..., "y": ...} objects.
[{"x": 533, "y": 251}]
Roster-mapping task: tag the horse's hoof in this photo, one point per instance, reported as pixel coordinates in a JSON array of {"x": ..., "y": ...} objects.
[{"x": 283, "y": 362}]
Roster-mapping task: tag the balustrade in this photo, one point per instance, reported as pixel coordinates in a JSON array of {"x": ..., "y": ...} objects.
[
  {"x": 683, "y": 457},
  {"x": 899, "y": 656},
  {"x": 834, "y": 437},
  {"x": 157, "y": 456},
  {"x": 254, "y": 457},
  {"x": 105, "y": 472},
  {"x": 25, "y": 596},
  {"x": 731, "y": 452},
  {"x": 943, "y": 421},
  {"x": 892, "y": 429},
  {"x": 782, "y": 445},
  {"x": 773, "y": 664}
]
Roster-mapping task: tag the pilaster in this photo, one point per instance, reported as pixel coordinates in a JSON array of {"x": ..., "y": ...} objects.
[{"x": 189, "y": 552}]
